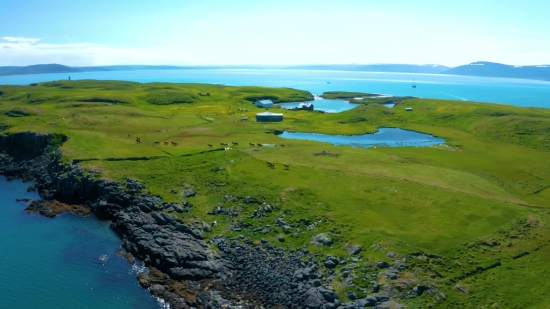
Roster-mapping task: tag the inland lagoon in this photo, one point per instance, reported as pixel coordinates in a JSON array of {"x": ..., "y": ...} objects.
[
  {"x": 384, "y": 137},
  {"x": 328, "y": 106}
]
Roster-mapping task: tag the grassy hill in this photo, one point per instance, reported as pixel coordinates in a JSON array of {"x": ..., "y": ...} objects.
[{"x": 467, "y": 211}]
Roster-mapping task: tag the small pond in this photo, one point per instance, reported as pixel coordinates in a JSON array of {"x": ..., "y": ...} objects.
[
  {"x": 384, "y": 137},
  {"x": 328, "y": 106}
]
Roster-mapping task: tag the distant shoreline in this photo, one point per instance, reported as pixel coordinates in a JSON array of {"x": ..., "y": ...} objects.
[{"x": 477, "y": 69}]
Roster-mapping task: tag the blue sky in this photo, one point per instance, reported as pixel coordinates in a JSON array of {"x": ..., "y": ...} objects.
[{"x": 282, "y": 32}]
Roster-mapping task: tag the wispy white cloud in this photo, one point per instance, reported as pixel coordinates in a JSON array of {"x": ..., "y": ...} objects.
[
  {"x": 19, "y": 40},
  {"x": 25, "y": 51}
]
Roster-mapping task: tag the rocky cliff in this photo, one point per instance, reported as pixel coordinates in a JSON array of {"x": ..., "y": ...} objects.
[{"x": 183, "y": 269}]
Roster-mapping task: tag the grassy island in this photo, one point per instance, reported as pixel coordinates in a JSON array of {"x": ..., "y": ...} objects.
[
  {"x": 347, "y": 95},
  {"x": 474, "y": 213}
]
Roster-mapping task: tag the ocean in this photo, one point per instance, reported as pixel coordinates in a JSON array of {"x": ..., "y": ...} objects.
[
  {"x": 519, "y": 92},
  {"x": 55, "y": 263}
]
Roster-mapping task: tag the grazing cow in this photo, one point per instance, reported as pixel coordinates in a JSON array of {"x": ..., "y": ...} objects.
[
  {"x": 214, "y": 223},
  {"x": 235, "y": 143},
  {"x": 224, "y": 144},
  {"x": 138, "y": 140},
  {"x": 129, "y": 135},
  {"x": 174, "y": 144},
  {"x": 287, "y": 167},
  {"x": 157, "y": 143},
  {"x": 210, "y": 145},
  {"x": 283, "y": 146},
  {"x": 260, "y": 145},
  {"x": 165, "y": 143},
  {"x": 269, "y": 164}
]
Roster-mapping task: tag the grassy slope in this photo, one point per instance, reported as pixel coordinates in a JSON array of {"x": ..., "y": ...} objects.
[{"x": 439, "y": 200}]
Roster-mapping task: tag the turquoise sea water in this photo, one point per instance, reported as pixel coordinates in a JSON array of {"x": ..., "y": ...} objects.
[
  {"x": 384, "y": 137},
  {"x": 329, "y": 106},
  {"x": 54, "y": 263},
  {"x": 520, "y": 92}
]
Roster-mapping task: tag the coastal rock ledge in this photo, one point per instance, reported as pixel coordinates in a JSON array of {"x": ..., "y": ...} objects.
[{"x": 184, "y": 270}]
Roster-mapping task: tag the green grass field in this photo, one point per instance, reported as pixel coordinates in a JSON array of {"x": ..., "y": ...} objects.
[{"x": 490, "y": 182}]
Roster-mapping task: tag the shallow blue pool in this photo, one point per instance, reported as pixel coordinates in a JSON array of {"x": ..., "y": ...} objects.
[
  {"x": 384, "y": 137},
  {"x": 329, "y": 106}
]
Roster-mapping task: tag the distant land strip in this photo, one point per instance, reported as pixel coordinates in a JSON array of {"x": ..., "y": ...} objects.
[{"x": 480, "y": 68}]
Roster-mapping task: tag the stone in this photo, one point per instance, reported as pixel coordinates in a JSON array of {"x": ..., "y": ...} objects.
[
  {"x": 206, "y": 227},
  {"x": 382, "y": 297},
  {"x": 371, "y": 300},
  {"x": 189, "y": 192},
  {"x": 353, "y": 249},
  {"x": 280, "y": 238},
  {"x": 144, "y": 280},
  {"x": 177, "y": 208},
  {"x": 313, "y": 299},
  {"x": 321, "y": 239},
  {"x": 331, "y": 262},
  {"x": 352, "y": 295},
  {"x": 382, "y": 264},
  {"x": 250, "y": 200},
  {"x": 157, "y": 290},
  {"x": 418, "y": 290},
  {"x": 329, "y": 294},
  {"x": 462, "y": 289}
]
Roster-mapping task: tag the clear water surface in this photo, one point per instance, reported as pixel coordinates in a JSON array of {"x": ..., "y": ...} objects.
[
  {"x": 520, "y": 92},
  {"x": 54, "y": 263},
  {"x": 329, "y": 106},
  {"x": 384, "y": 137}
]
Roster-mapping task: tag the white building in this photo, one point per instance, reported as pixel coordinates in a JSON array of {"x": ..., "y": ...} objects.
[
  {"x": 269, "y": 117},
  {"x": 264, "y": 103}
]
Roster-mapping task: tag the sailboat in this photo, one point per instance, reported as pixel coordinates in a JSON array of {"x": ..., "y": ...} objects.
[{"x": 414, "y": 83}]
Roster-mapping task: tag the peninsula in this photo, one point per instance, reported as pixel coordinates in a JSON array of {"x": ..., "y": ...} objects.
[{"x": 210, "y": 202}]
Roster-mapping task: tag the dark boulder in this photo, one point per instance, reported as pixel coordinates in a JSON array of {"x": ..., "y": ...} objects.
[
  {"x": 382, "y": 297},
  {"x": 157, "y": 290},
  {"x": 144, "y": 280},
  {"x": 181, "y": 273},
  {"x": 353, "y": 249},
  {"x": 382, "y": 264},
  {"x": 189, "y": 192},
  {"x": 418, "y": 290},
  {"x": 313, "y": 299},
  {"x": 331, "y": 262}
]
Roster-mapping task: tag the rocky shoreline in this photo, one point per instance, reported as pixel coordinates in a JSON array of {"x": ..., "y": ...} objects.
[{"x": 184, "y": 270}]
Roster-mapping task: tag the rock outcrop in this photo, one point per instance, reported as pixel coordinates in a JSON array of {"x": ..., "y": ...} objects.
[{"x": 183, "y": 269}]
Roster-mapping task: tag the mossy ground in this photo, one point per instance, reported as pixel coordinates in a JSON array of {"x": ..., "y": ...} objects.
[{"x": 490, "y": 183}]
